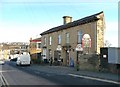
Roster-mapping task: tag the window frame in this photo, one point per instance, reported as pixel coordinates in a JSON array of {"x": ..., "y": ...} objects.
[
  {"x": 45, "y": 41},
  {"x": 50, "y": 40},
  {"x": 79, "y": 36},
  {"x": 38, "y": 45},
  {"x": 59, "y": 39},
  {"x": 67, "y": 38}
]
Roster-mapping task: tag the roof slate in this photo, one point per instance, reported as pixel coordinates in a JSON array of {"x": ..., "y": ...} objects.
[{"x": 84, "y": 20}]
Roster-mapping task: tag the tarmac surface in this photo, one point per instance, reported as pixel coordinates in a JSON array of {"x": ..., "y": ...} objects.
[{"x": 73, "y": 71}]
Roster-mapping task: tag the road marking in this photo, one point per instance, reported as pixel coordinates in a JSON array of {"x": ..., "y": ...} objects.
[
  {"x": 92, "y": 78},
  {"x": 5, "y": 81},
  {"x": 7, "y": 71}
]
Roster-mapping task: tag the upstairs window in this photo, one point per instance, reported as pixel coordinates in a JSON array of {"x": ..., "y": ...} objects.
[
  {"x": 59, "y": 39},
  {"x": 67, "y": 37},
  {"x": 45, "y": 41},
  {"x": 50, "y": 40},
  {"x": 38, "y": 45},
  {"x": 79, "y": 37}
]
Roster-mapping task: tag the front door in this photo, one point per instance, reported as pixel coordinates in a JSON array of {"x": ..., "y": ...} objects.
[{"x": 44, "y": 54}]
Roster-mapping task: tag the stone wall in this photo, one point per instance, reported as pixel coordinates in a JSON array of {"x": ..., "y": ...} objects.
[{"x": 89, "y": 62}]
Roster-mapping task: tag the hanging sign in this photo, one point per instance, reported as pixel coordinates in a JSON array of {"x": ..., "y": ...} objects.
[
  {"x": 79, "y": 47},
  {"x": 59, "y": 48}
]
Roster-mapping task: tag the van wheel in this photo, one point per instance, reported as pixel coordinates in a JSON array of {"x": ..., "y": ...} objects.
[
  {"x": 29, "y": 65},
  {"x": 20, "y": 64}
]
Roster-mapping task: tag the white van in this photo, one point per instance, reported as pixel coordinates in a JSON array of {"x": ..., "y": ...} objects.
[{"x": 23, "y": 59}]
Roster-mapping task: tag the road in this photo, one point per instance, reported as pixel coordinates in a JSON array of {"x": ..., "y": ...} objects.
[
  {"x": 26, "y": 75},
  {"x": 17, "y": 76}
]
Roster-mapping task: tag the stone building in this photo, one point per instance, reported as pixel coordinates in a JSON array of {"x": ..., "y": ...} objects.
[
  {"x": 67, "y": 42},
  {"x": 35, "y": 49},
  {"x": 12, "y": 49}
]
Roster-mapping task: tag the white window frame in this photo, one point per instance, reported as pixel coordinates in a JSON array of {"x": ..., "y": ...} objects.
[
  {"x": 79, "y": 36},
  {"x": 59, "y": 39},
  {"x": 50, "y": 40},
  {"x": 38, "y": 45},
  {"x": 67, "y": 38},
  {"x": 44, "y": 53},
  {"x": 45, "y": 41}
]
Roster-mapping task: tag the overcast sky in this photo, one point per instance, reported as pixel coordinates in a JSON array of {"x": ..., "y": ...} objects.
[{"x": 22, "y": 19}]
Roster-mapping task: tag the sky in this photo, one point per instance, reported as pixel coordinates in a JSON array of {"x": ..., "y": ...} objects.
[{"x": 22, "y": 19}]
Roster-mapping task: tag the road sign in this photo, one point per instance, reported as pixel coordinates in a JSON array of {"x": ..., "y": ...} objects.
[{"x": 86, "y": 40}]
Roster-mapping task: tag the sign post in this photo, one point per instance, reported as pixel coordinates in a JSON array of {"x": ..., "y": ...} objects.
[{"x": 79, "y": 50}]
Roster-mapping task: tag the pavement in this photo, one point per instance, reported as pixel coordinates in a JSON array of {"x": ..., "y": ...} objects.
[{"x": 63, "y": 70}]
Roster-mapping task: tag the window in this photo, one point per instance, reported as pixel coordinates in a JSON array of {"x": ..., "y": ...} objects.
[
  {"x": 45, "y": 41},
  {"x": 50, "y": 40},
  {"x": 44, "y": 53},
  {"x": 80, "y": 37},
  {"x": 39, "y": 45},
  {"x": 67, "y": 37},
  {"x": 59, "y": 39},
  {"x": 86, "y": 40}
]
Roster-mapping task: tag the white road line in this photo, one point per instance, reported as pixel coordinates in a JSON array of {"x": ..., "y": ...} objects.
[
  {"x": 1, "y": 82},
  {"x": 5, "y": 81},
  {"x": 92, "y": 78},
  {"x": 7, "y": 71}
]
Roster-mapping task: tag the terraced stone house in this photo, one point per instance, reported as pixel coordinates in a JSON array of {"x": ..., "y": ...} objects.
[{"x": 65, "y": 43}]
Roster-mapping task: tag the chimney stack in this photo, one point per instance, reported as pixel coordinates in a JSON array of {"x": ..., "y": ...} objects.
[
  {"x": 67, "y": 19},
  {"x": 30, "y": 39}
]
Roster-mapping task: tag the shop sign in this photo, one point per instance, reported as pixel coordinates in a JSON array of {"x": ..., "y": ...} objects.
[
  {"x": 79, "y": 47},
  {"x": 86, "y": 40},
  {"x": 59, "y": 48}
]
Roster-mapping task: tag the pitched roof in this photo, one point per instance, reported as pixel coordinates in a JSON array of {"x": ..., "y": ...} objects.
[{"x": 74, "y": 23}]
